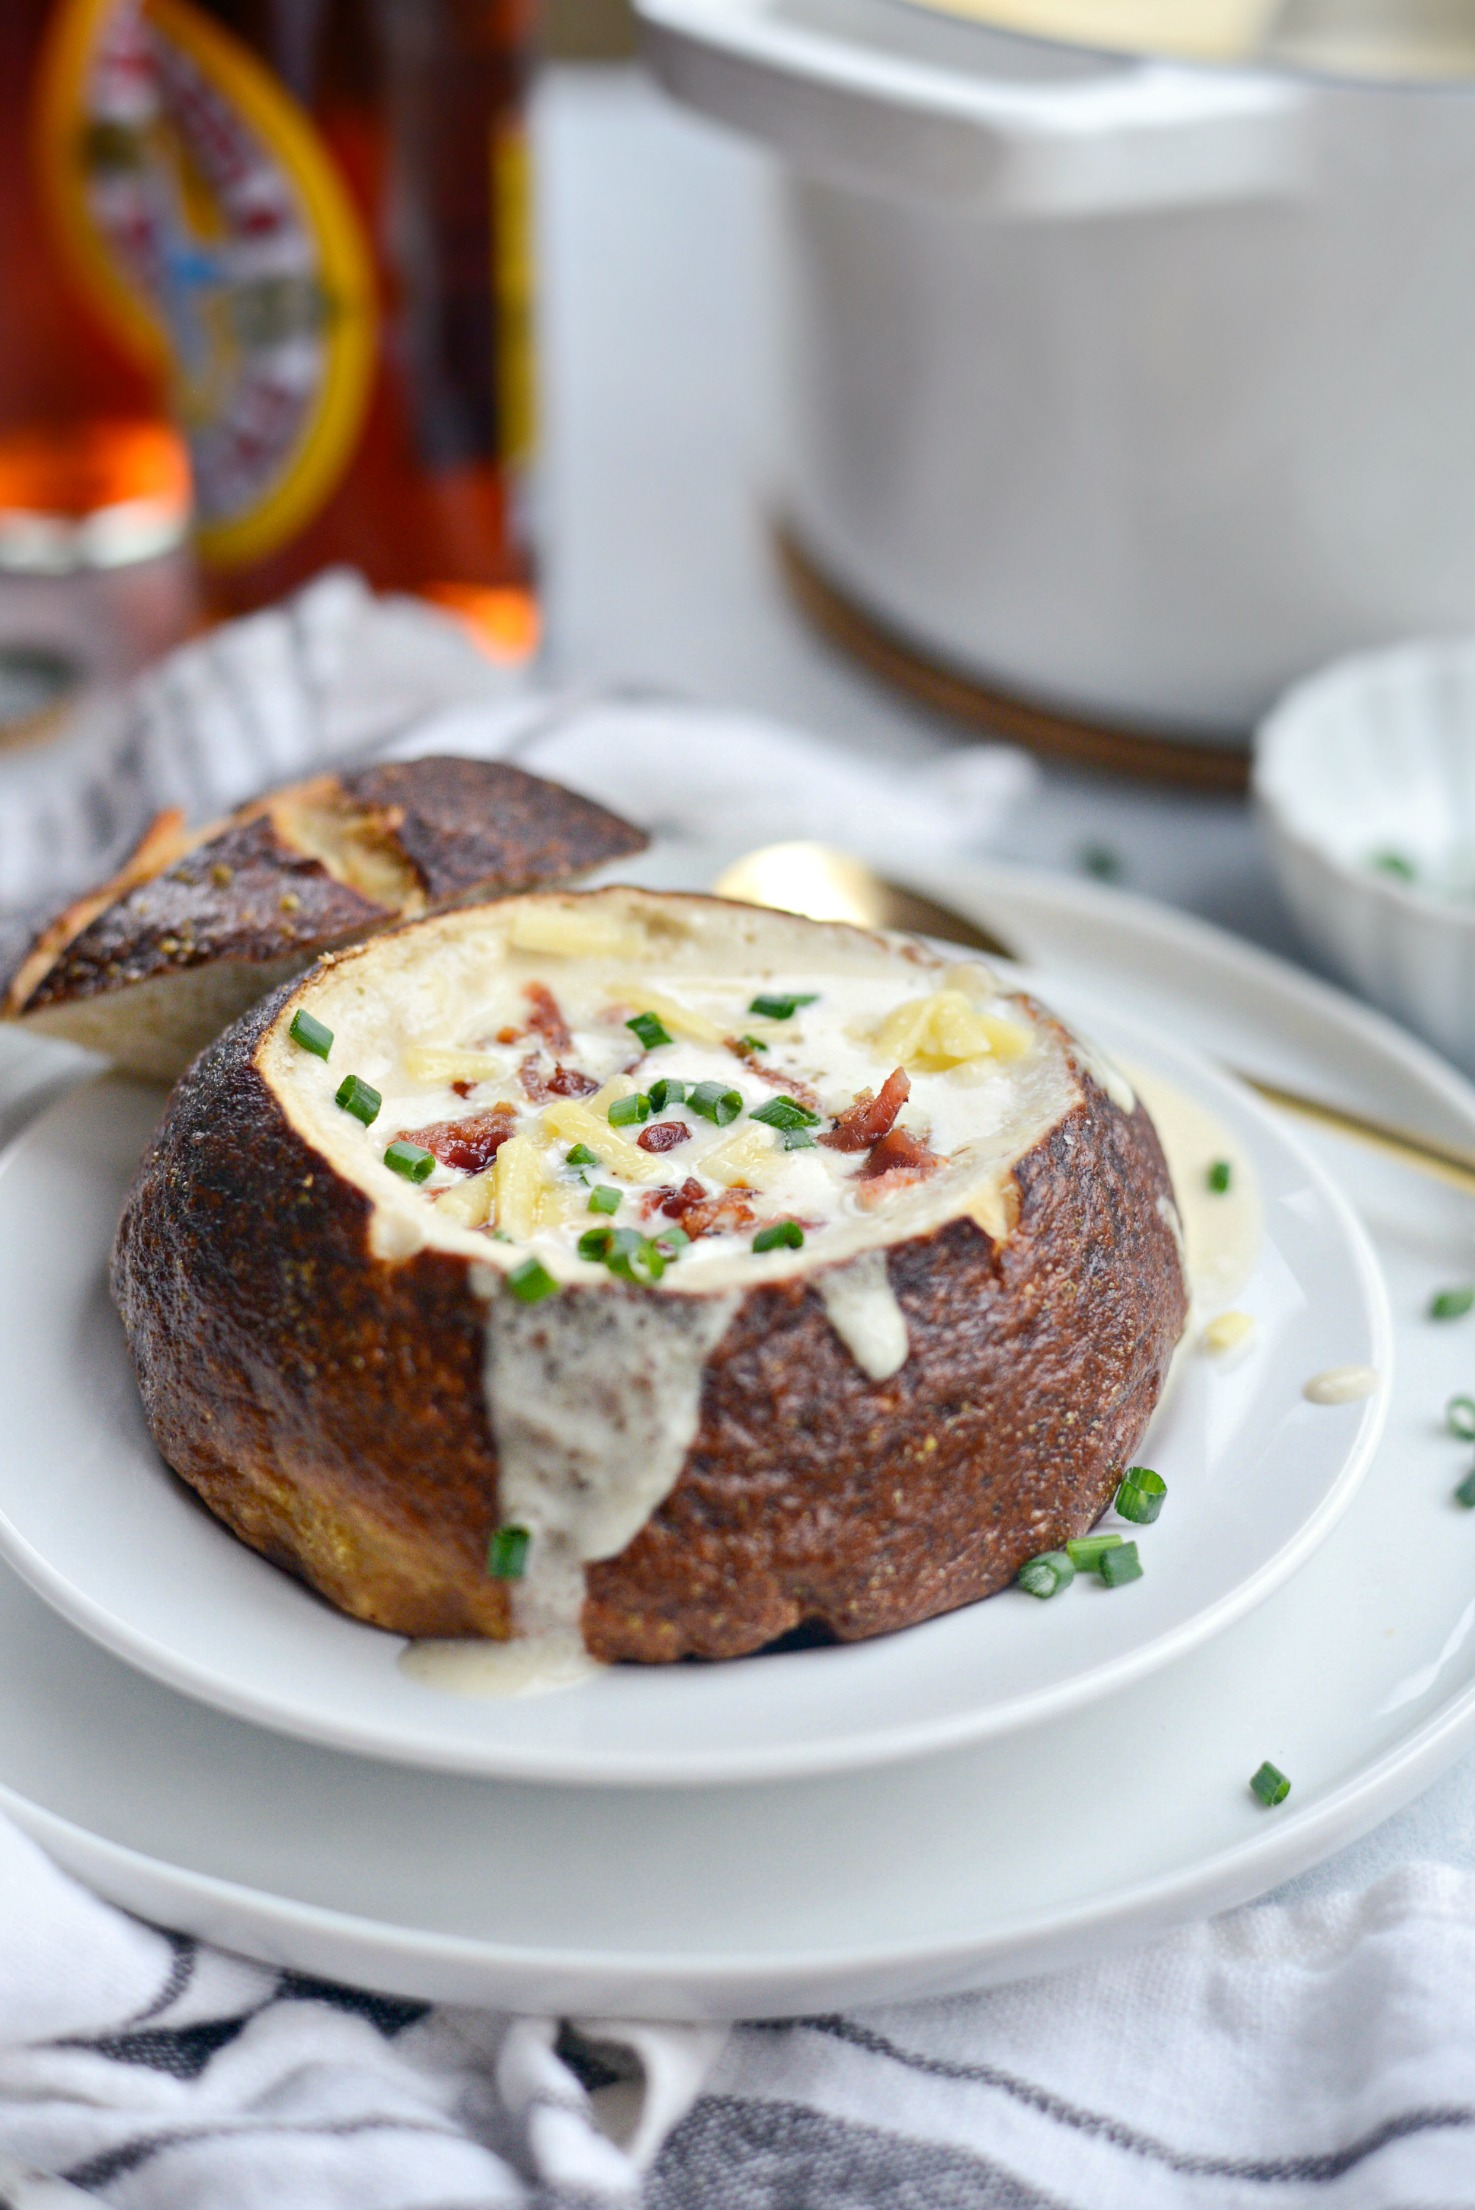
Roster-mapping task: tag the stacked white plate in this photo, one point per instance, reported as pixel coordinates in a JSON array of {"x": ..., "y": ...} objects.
[{"x": 1017, "y": 1784}]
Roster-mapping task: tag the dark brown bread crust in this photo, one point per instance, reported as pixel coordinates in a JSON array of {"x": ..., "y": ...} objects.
[
  {"x": 470, "y": 828},
  {"x": 815, "y": 1495},
  {"x": 464, "y": 828},
  {"x": 328, "y": 1404},
  {"x": 246, "y": 895}
]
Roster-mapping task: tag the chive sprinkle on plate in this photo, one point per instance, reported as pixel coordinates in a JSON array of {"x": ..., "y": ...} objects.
[
  {"x": 507, "y": 1553},
  {"x": 666, "y": 1092},
  {"x": 1140, "y": 1497},
  {"x": 311, "y": 1034},
  {"x": 1219, "y": 1176},
  {"x": 530, "y": 1281},
  {"x": 1459, "y": 1418},
  {"x": 581, "y": 1155},
  {"x": 1119, "y": 1566},
  {"x": 1451, "y": 1304},
  {"x": 1465, "y": 1493},
  {"x": 1085, "y": 1551},
  {"x": 782, "y": 1008},
  {"x": 1270, "y": 1785},
  {"x": 359, "y": 1098},
  {"x": 780, "y": 1235},
  {"x": 1047, "y": 1574},
  {"x": 604, "y": 1199}
]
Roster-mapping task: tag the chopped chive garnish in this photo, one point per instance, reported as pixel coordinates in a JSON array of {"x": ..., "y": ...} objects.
[
  {"x": 1459, "y": 1418},
  {"x": 713, "y": 1102},
  {"x": 1270, "y": 1785},
  {"x": 409, "y": 1159},
  {"x": 1465, "y": 1493},
  {"x": 633, "y": 1256},
  {"x": 1394, "y": 863},
  {"x": 311, "y": 1034},
  {"x": 652, "y": 1033},
  {"x": 782, "y": 1008},
  {"x": 752, "y": 1043},
  {"x": 1219, "y": 1176},
  {"x": 603, "y": 1199},
  {"x": 1047, "y": 1574},
  {"x": 666, "y": 1092},
  {"x": 781, "y": 1235},
  {"x": 507, "y": 1553},
  {"x": 1140, "y": 1497},
  {"x": 625, "y": 1251},
  {"x": 782, "y": 1112},
  {"x": 1451, "y": 1304},
  {"x": 796, "y": 1139},
  {"x": 581, "y": 1155},
  {"x": 1119, "y": 1566},
  {"x": 1084, "y": 1551},
  {"x": 1101, "y": 861},
  {"x": 359, "y": 1098},
  {"x": 626, "y": 1111},
  {"x": 672, "y": 1240},
  {"x": 530, "y": 1281}
]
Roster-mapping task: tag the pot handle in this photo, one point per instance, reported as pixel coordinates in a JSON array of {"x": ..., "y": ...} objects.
[{"x": 1127, "y": 137}]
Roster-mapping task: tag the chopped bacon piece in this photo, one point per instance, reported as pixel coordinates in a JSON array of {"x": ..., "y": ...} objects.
[
  {"x": 663, "y": 1135},
  {"x": 699, "y": 1214},
  {"x": 898, "y": 1161},
  {"x": 471, "y": 1143},
  {"x": 546, "y": 1018},
  {"x": 900, "y": 1148},
  {"x": 869, "y": 1118},
  {"x": 538, "y": 1087},
  {"x": 463, "y": 1089},
  {"x": 570, "y": 1082}
]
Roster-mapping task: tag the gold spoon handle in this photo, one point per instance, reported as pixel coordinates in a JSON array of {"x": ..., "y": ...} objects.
[{"x": 1447, "y": 1161}]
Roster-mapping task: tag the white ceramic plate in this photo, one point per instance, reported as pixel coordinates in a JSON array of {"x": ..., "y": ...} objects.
[
  {"x": 90, "y": 1516},
  {"x": 1357, "y": 1677}
]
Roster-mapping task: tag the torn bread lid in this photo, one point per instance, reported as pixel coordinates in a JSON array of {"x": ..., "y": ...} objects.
[{"x": 196, "y": 927}]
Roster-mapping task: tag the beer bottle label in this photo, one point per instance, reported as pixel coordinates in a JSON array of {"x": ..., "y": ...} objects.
[{"x": 201, "y": 208}]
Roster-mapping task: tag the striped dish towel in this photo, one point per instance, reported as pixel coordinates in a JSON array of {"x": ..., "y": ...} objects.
[{"x": 1318, "y": 2052}]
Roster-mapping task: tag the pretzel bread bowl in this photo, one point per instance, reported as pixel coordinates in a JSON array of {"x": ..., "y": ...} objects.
[
  {"x": 197, "y": 925},
  {"x": 650, "y": 1270}
]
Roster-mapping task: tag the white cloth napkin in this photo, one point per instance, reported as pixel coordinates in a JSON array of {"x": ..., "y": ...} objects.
[
  {"x": 1320, "y": 2052},
  {"x": 1319, "y": 2049},
  {"x": 336, "y": 675}
]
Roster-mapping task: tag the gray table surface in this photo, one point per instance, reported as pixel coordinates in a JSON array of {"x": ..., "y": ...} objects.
[{"x": 657, "y": 489}]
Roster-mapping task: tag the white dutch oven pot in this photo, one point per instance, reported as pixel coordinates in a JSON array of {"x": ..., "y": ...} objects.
[{"x": 1134, "y": 389}]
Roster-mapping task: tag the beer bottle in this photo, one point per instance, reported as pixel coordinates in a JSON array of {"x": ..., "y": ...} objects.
[
  {"x": 335, "y": 261},
  {"x": 94, "y": 484}
]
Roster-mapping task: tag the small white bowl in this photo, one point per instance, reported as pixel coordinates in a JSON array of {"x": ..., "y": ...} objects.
[{"x": 1376, "y": 756}]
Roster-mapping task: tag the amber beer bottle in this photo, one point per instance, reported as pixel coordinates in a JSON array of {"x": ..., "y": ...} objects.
[
  {"x": 336, "y": 260},
  {"x": 94, "y": 485}
]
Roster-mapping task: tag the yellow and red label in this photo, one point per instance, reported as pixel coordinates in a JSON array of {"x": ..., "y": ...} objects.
[{"x": 209, "y": 224}]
